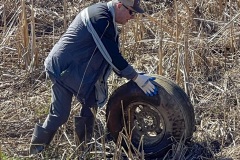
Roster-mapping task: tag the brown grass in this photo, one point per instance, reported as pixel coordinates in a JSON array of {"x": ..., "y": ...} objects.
[{"x": 197, "y": 42}]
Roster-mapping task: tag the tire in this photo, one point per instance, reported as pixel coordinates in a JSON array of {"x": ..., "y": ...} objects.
[{"x": 161, "y": 120}]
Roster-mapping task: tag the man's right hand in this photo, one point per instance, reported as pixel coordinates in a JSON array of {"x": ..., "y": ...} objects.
[{"x": 144, "y": 82}]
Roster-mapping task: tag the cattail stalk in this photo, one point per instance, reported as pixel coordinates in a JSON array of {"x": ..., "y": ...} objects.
[
  {"x": 25, "y": 36},
  {"x": 53, "y": 39},
  {"x": 186, "y": 63},
  {"x": 220, "y": 7},
  {"x": 33, "y": 47},
  {"x": 160, "y": 50},
  {"x": 231, "y": 29},
  {"x": 4, "y": 19},
  {"x": 135, "y": 31},
  {"x": 123, "y": 40},
  {"x": 142, "y": 28},
  {"x": 177, "y": 50},
  {"x": 24, "y": 25},
  {"x": 138, "y": 31},
  {"x": 65, "y": 15}
]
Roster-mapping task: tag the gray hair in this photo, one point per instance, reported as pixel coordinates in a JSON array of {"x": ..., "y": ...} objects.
[{"x": 115, "y": 1}]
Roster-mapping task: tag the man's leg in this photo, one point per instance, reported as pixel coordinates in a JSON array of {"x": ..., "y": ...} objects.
[
  {"x": 60, "y": 107},
  {"x": 59, "y": 113},
  {"x": 84, "y": 124}
]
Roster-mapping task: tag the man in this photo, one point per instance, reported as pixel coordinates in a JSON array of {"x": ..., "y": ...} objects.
[{"x": 79, "y": 65}]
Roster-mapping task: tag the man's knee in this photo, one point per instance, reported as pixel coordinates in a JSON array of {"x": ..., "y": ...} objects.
[
  {"x": 88, "y": 111},
  {"x": 53, "y": 122}
]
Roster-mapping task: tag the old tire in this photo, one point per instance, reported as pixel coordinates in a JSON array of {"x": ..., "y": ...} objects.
[{"x": 160, "y": 120}]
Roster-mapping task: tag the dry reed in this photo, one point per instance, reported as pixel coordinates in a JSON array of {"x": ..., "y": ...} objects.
[{"x": 195, "y": 43}]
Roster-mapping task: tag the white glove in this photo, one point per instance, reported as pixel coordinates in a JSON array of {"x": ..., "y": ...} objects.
[{"x": 144, "y": 82}]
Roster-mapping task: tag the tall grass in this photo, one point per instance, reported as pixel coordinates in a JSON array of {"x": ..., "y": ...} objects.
[{"x": 195, "y": 43}]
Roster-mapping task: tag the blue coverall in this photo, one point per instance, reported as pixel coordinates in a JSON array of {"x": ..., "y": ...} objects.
[{"x": 75, "y": 64}]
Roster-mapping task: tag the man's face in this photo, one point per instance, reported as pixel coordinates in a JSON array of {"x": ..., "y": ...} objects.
[{"x": 123, "y": 14}]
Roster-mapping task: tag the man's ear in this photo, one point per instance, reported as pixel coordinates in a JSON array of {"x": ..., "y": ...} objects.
[{"x": 119, "y": 5}]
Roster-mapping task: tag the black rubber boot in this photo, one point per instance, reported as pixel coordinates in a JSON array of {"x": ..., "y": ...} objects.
[
  {"x": 40, "y": 138},
  {"x": 84, "y": 129}
]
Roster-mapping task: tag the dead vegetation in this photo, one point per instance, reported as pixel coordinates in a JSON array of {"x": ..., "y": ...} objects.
[{"x": 195, "y": 43}]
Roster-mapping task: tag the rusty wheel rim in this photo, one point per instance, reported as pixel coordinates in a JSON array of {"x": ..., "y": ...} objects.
[{"x": 145, "y": 122}]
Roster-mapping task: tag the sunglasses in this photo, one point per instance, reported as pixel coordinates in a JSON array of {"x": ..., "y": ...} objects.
[{"x": 131, "y": 12}]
